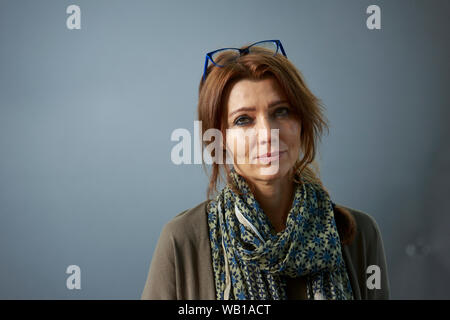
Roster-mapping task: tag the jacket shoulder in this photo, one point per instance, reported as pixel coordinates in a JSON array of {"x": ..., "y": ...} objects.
[
  {"x": 365, "y": 253},
  {"x": 179, "y": 268},
  {"x": 189, "y": 223},
  {"x": 366, "y": 225}
]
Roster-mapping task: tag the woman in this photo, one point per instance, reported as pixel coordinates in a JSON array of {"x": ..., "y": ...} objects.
[{"x": 267, "y": 234}]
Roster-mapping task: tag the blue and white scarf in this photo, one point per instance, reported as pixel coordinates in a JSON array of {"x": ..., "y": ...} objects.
[{"x": 252, "y": 261}]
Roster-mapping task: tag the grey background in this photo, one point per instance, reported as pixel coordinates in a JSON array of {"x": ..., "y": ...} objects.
[{"x": 86, "y": 117}]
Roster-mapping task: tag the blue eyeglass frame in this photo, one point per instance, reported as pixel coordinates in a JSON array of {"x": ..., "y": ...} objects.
[{"x": 241, "y": 51}]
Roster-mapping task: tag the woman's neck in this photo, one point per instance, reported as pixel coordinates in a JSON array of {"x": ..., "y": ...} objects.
[{"x": 275, "y": 199}]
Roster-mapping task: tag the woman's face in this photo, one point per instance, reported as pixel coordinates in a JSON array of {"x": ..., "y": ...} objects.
[{"x": 257, "y": 107}]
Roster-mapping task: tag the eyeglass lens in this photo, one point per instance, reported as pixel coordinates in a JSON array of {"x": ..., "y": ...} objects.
[{"x": 223, "y": 57}]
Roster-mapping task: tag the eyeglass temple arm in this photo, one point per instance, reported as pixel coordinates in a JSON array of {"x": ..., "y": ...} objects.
[
  {"x": 205, "y": 67},
  {"x": 282, "y": 49}
]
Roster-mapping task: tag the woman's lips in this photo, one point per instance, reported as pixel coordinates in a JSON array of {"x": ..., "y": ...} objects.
[{"x": 271, "y": 156}]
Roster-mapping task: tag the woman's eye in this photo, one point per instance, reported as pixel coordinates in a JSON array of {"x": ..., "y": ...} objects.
[
  {"x": 284, "y": 111},
  {"x": 242, "y": 120}
]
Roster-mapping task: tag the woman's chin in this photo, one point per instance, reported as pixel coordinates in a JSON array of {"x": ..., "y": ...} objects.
[
  {"x": 264, "y": 171},
  {"x": 271, "y": 171}
]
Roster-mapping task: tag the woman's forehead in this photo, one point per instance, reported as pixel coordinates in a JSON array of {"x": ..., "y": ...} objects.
[{"x": 248, "y": 93}]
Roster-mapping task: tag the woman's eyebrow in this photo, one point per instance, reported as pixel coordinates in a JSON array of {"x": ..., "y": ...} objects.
[{"x": 271, "y": 105}]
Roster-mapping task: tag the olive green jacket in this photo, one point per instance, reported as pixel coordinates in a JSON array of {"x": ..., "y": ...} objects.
[{"x": 181, "y": 267}]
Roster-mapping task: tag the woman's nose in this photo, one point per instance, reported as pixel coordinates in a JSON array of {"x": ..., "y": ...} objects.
[{"x": 264, "y": 127}]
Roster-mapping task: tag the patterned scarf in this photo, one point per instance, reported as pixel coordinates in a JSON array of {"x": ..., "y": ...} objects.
[{"x": 252, "y": 261}]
